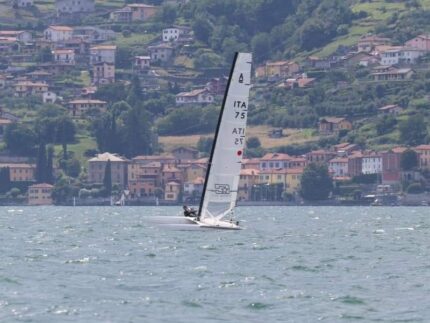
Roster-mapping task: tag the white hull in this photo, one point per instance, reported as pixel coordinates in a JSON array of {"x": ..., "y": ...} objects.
[{"x": 216, "y": 224}]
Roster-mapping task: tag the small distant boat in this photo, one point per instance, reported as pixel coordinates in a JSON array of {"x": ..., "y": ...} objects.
[
  {"x": 222, "y": 177},
  {"x": 121, "y": 201}
]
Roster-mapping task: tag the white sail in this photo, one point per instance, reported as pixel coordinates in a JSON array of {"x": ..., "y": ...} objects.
[{"x": 223, "y": 172}]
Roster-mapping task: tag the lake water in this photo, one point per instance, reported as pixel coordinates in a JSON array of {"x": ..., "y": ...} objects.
[{"x": 290, "y": 264}]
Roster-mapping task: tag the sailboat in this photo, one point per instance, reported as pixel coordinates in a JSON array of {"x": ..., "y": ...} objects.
[{"x": 222, "y": 177}]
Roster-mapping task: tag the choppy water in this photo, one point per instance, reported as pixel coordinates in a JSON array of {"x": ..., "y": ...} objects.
[{"x": 291, "y": 264}]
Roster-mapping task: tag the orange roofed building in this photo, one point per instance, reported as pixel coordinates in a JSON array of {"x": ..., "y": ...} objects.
[{"x": 40, "y": 194}]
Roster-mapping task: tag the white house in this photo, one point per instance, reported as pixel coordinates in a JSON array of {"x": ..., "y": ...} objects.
[
  {"x": 21, "y": 35},
  {"x": 102, "y": 53},
  {"x": 58, "y": 33},
  {"x": 49, "y": 97},
  {"x": 162, "y": 52},
  {"x": 64, "y": 56},
  {"x": 401, "y": 55},
  {"x": 200, "y": 96},
  {"x": 338, "y": 167},
  {"x": 391, "y": 109},
  {"x": 63, "y": 7},
  {"x": 142, "y": 62},
  {"x": 174, "y": 33},
  {"x": 371, "y": 164}
]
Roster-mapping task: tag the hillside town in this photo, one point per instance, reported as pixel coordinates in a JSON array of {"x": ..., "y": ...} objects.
[{"x": 66, "y": 64}]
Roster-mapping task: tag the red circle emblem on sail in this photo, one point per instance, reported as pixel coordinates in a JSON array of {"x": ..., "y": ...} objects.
[{"x": 239, "y": 152}]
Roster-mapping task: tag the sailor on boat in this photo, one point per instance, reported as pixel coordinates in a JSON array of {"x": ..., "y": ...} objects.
[{"x": 190, "y": 212}]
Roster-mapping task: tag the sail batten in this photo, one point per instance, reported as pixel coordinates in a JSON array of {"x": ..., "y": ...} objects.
[{"x": 222, "y": 178}]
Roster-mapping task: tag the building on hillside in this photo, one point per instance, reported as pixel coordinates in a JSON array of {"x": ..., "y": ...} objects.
[
  {"x": 171, "y": 174},
  {"x": 391, "y": 73},
  {"x": 355, "y": 164},
  {"x": 302, "y": 81},
  {"x": 421, "y": 42},
  {"x": 217, "y": 85},
  {"x": 22, "y": 36},
  {"x": 278, "y": 69},
  {"x": 172, "y": 191},
  {"x": 6, "y": 118},
  {"x": 338, "y": 167},
  {"x": 345, "y": 148},
  {"x": 390, "y": 110},
  {"x": 293, "y": 177},
  {"x": 88, "y": 92},
  {"x": 391, "y": 169},
  {"x": 68, "y": 7},
  {"x": 247, "y": 179},
  {"x": 250, "y": 163},
  {"x": 199, "y": 96},
  {"x": 141, "y": 63},
  {"x": 355, "y": 59},
  {"x": 367, "y": 43},
  {"x": 103, "y": 73},
  {"x": 93, "y": 34},
  {"x": 333, "y": 125},
  {"x": 49, "y": 97},
  {"x": 289, "y": 179},
  {"x": 193, "y": 190},
  {"x": 64, "y": 56},
  {"x": 97, "y": 165},
  {"x": 185, "y": 153},
  {"x": 371, "y": 163},
  {"x": 20, "y": 172},
  {"x": 141, "y": 11},
  {"x": 102, "y": 53},
  {"x": 28, "y": 88},
  {"x": 58, "y": 33},
  {"x": 162, "y": 159},
  {"x": 320, "y": 156},
  {"x": 39, "y": 76},
  {"x": 40, "y": 194},
  {"x": 81, "y": 107},
  {"x": 192, "y": 171},
  {"x": 23, "y": 3},
  {"x": 274, "y": 161},
  {"x": 161, "y": 53},
  {"x": 144, "y": 178},
  {"x": 423, "y": 152},
  {"x": 401, "y": 55},
  {"x": 133, "y": 12},
  {"x": 322, "y": 63},
  {"x": 176, "y": 33}
]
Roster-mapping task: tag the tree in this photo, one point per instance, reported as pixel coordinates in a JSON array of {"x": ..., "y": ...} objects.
[
  {"x": 413, "y": 131},
  {"x": 50, "y": 165},
  {"x": 45, "y": 55},
  {"x": 409, "y": 160},
  {"x": 205, "y": 144},
  {"x": 41, "y": 165},
  {"x": 316, "y": 183},
  {"x": 123, "y": 57},
  {"x": 202, "y": 29},
  {"x": 260, "y": 45},
  {"x": 111, "y": 92},
  {"x": 136, "y": 134},
  {"x": 107, "y": 180},
  {"x": 415, "y": 188},
  {"x": 20, "y": 139},
  {"x": 253, "y": 142},
  {"x": 385, "y": 124},
  {"x": 4, "y": 180}
]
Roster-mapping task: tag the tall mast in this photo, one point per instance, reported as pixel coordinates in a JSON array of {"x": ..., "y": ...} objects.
[{"x": 216, "y": 134}]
